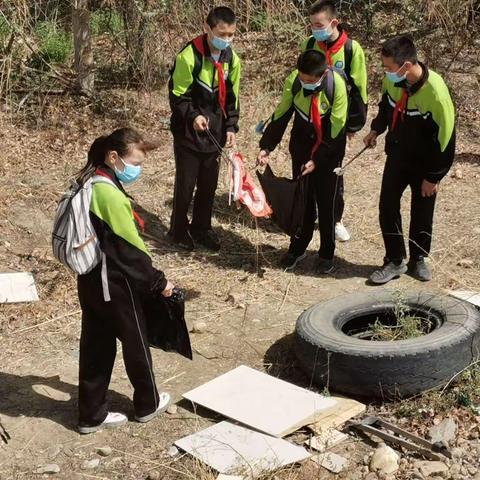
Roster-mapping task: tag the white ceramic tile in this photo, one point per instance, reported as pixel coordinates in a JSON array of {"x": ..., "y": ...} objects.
[
  {"x": 17, "y": 287},
  {"x": 260, "y": 401},
  {"x": 467, "y": 295},
  {"x": 236, "y": 450}
]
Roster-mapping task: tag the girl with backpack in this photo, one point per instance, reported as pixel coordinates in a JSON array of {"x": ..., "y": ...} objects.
[{"x": 114, "y": 295}]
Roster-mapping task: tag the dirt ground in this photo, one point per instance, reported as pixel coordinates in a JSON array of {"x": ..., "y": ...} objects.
[{"x": 248, "y": 304}]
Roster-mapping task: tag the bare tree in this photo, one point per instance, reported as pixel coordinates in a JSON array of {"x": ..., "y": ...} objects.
[{"x": 84, "y": 65}]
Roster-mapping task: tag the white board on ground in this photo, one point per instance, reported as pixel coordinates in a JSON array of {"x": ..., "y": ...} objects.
[
  {"x": 17, "y": 288},
  {"x": 235, "y": 450},
  {"x": 260, "y": 401},
  {"x": 467, "y": 295}
]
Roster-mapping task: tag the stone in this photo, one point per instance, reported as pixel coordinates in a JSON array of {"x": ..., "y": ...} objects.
[
  {"x": 50, "y": 468},
  {"x": 465, "y": 263},
  {"x": 385, "y": 459},
  {"x": 455, "y": 469},
  {"x": 371, "y": 476},
  {"x": 428, "y": 468},
  {"x": 443, "y": 432},
  {"x": 154, "y": 476},
  {"x": 104, "y": 451},
  {"x": 90, "y": 464},
  {"x": 331, "y": 461},
  {"x": 172, "y": 451},
  {"x": 54, "y": 451},
  {"x": 199, "y": 327},
  {"x": 457, "y": 173},
  {"x": 172, "y": 409},
  {"x": 457, "y": 452}
]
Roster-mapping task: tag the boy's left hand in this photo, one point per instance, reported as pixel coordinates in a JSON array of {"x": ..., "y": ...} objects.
[
  {"x": 309, "y": 167},
  {"x": 230, "y": 140}
]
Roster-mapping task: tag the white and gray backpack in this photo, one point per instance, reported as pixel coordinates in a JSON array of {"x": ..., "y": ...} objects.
[{"x": 74, "y": 240}]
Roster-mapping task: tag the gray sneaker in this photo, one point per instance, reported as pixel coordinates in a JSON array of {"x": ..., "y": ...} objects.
[
  {"x": 325, "y": 266},
  {"x": 419, "y": 269},
  {"x": 388, "y": 272}
]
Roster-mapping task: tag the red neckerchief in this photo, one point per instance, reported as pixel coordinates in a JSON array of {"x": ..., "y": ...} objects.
[
  {"x": 400, "y": 108},
  {"x": 316, "y": 117},
  {"x": 199, "y": 44},
  {"x": 336, "y": 47}
]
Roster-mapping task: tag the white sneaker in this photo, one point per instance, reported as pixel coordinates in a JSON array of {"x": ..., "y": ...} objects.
[
  {"x": 163, "y": 404},
  {"x": 113, "y": 420},
  {"x": 341, "y": 233}
]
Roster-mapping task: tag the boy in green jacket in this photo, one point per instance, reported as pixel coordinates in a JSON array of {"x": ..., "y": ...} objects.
[
  {"x": 418, "y": 114},
  {"x": 345, "y": 54},
  {"x": 203, "y": 91},
  {"x": 318, "y": 97}
]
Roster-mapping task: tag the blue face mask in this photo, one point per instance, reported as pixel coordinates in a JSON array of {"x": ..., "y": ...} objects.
[
  {"x": 220, "y": 43},
  {"x": 130, "y": 172},
  {"x": 310, "y": 86},
  {"x": 395, "y": 77},
  {"x": 322, "y": 34}
]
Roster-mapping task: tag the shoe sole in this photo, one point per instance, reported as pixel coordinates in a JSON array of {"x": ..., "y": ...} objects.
[
  {"x": 156, "y": 413},
  {"x": 102, "y": 426},
  {"x": 326, "y": 272},
  {"x": 296, "y": 262}
]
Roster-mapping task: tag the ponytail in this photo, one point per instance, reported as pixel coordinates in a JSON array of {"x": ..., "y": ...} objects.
[{"x": 119, "y": 141}]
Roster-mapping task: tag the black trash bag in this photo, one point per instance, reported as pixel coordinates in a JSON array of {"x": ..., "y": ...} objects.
[
  {"x": 288, "y": 199},
  {"x": 166, "y": 326}
]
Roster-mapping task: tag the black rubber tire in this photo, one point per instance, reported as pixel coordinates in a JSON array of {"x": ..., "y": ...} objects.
[{"x": 382, "y": 369}]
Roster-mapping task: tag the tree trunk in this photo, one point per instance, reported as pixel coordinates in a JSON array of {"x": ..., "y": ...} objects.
[{"x": 84, "y": 66}]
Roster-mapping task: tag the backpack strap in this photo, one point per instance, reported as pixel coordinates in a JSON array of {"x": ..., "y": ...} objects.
[
  {"x": 296, "y": 86},
  {"x": 330, "y": 85},
  {"x": 348, "y": 54},
  {"x": 310, "y": 43}
]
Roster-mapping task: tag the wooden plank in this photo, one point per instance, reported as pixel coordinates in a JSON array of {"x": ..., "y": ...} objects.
[{"x": 337, "y": 415}]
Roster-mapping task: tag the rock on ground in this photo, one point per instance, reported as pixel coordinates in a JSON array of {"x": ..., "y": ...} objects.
[
  {"x": 385, "y": 459},
  {"x": 428, "y": 469},
  {"x": 444, "y": 431}
]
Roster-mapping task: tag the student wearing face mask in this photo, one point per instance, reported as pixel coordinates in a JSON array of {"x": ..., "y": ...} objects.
[
  {"x": 113, "y": 295},
  {"x": 418, "y": 114},
  {"x": 345, "y": 54},
  {"x": 318, "y": 97},
  {"x": 204, "y": 87}
]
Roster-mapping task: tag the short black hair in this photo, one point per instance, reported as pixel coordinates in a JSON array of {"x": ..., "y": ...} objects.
[
  {"x": 401, "y": 49},
  {"x": 312, "y": 62},
  {"x": 320, "y": 6},
  {"x": 220, "y": 14}
]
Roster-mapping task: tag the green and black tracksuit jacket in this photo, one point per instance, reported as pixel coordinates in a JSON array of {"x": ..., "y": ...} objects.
[
  {"x": 332, "y": 105},
  {"x": 346, "y": 54},
  {"x": 194, "y": 90},
  {"x": 114, "y": 222},
  {"x": 422, "y": 134}
]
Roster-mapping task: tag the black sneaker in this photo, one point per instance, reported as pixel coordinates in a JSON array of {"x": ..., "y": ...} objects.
[
  {"x": 290, "y": 260},
  {"x": 185, "y": 242},
  {"x": 419, "y": 269},
  {"x": 325, "y": 266},
  {"x": 207, "y": 238},
  {"x": 388, "y": 272}
]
